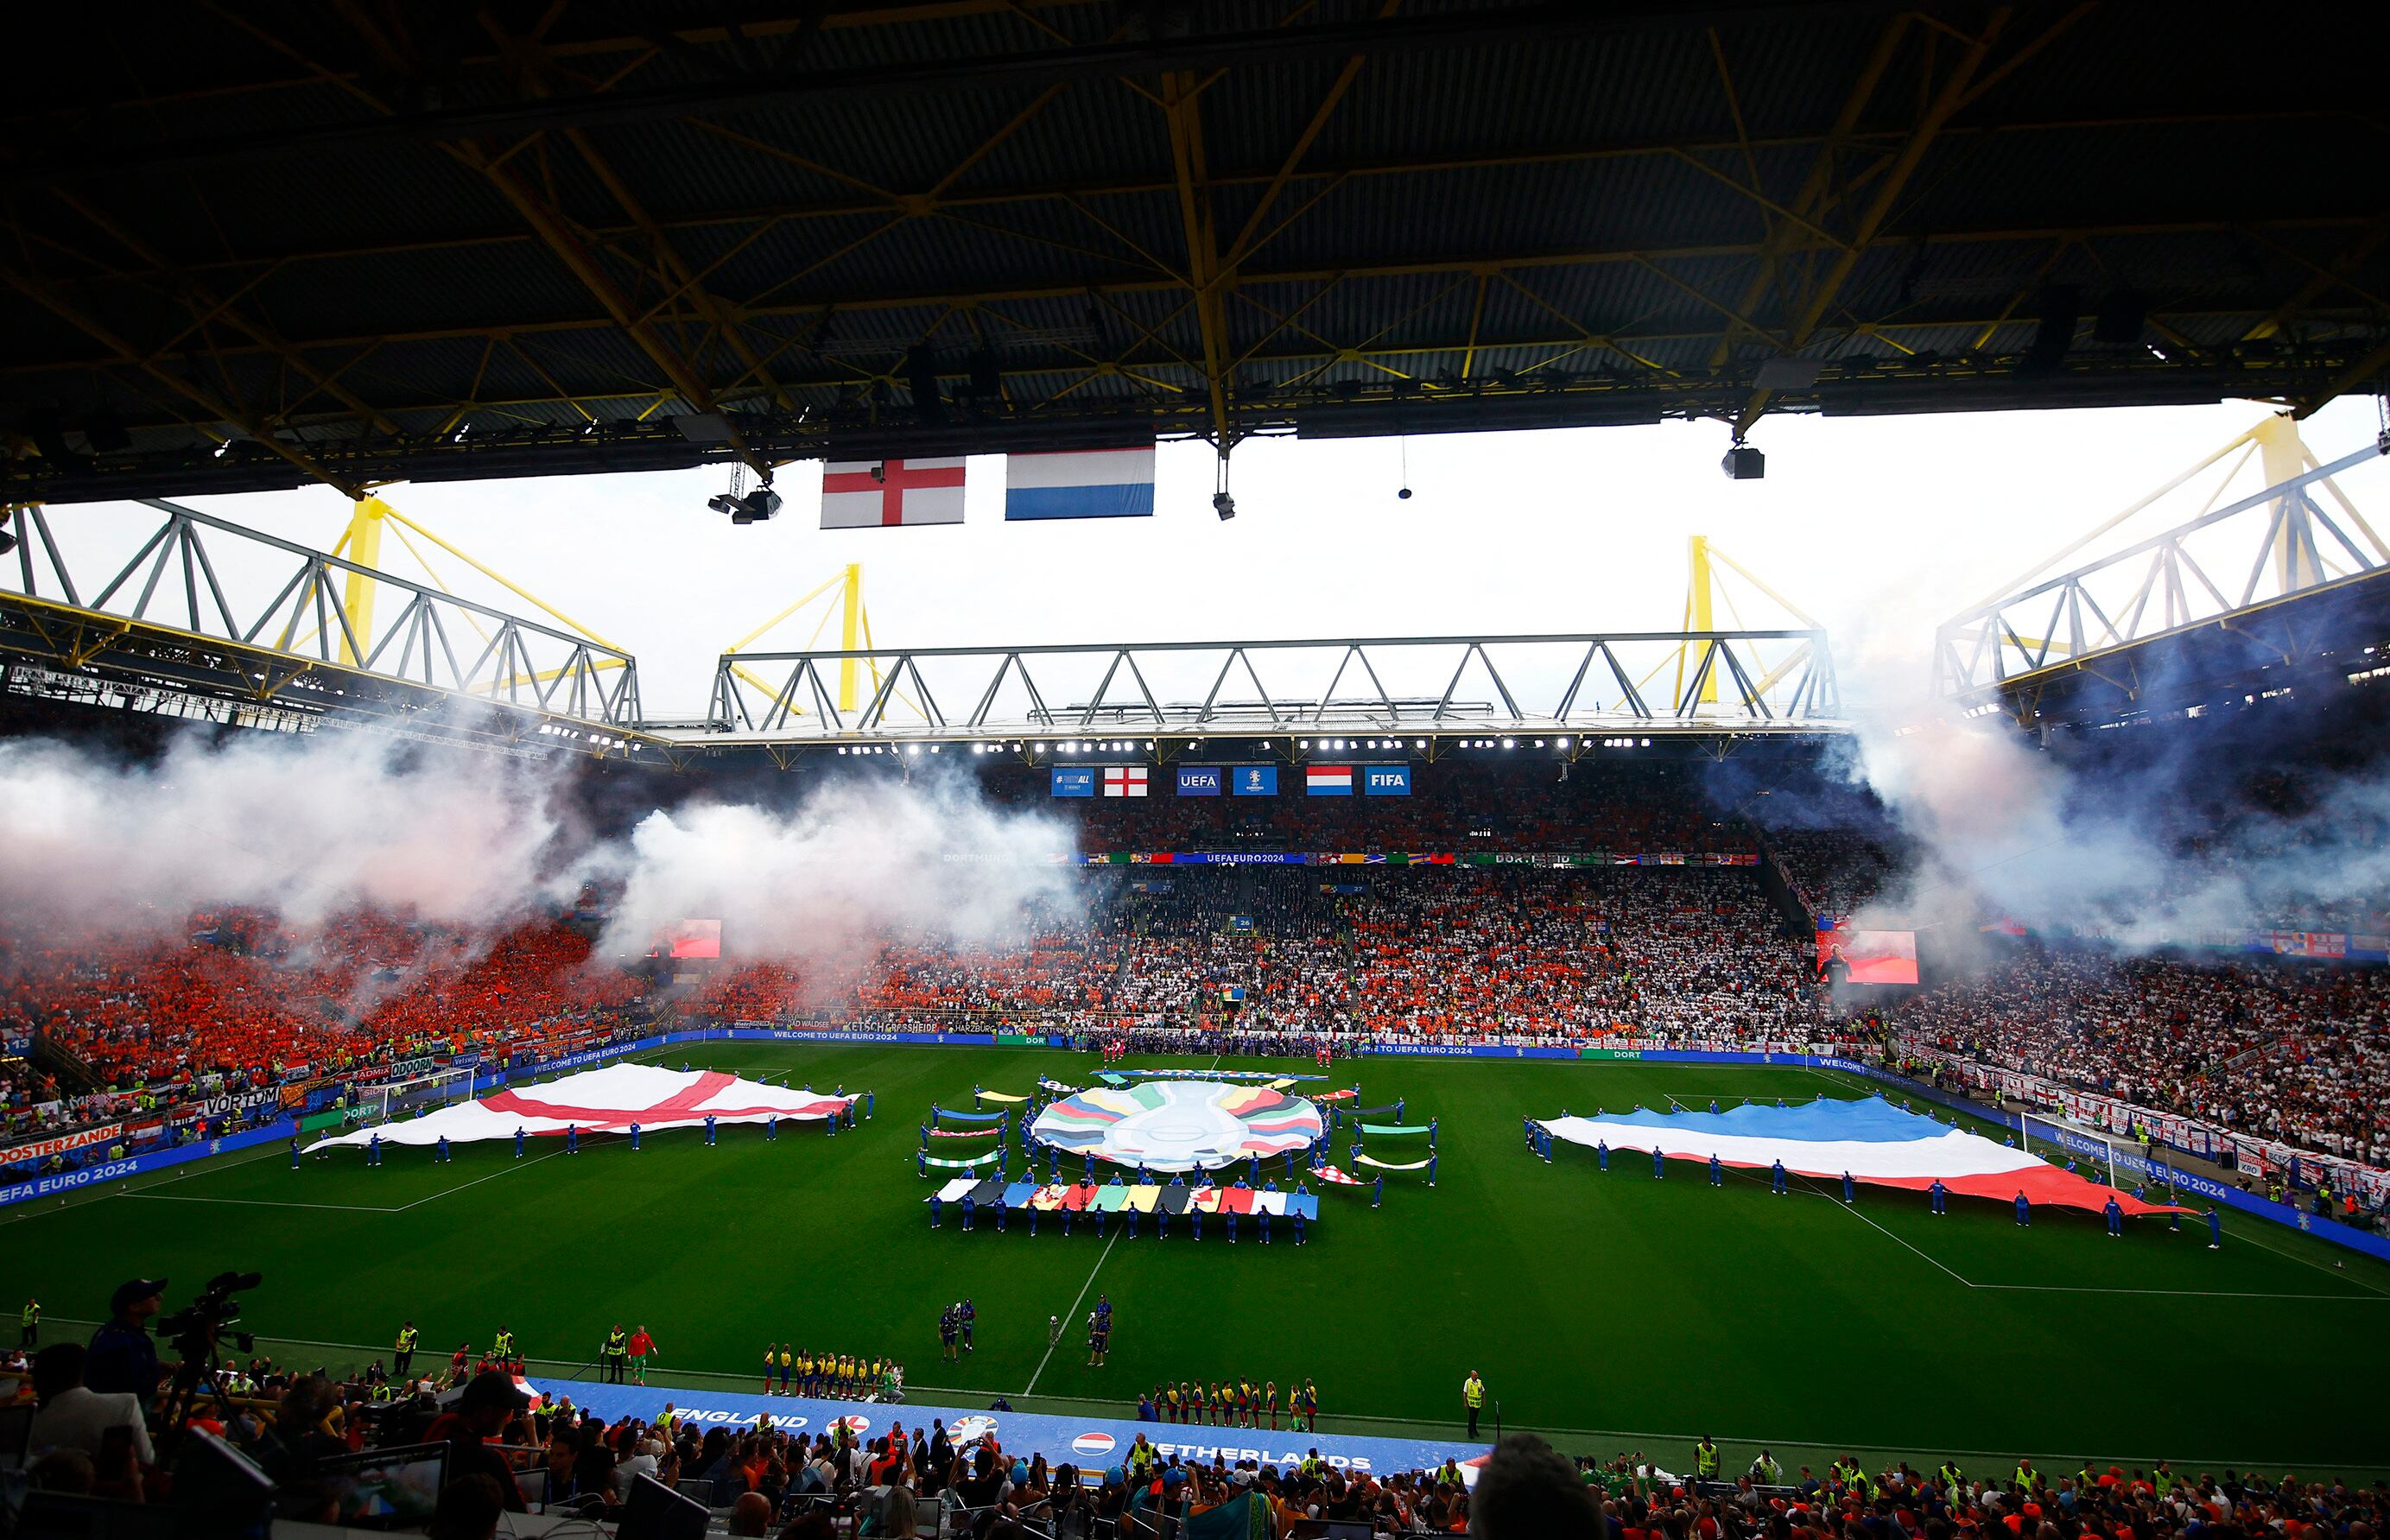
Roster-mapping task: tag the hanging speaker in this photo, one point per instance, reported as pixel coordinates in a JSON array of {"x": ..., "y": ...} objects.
[
  {"x": 2121, "y": 316},
  {"x": 921, "y": 378},
  {"x": 2061, "y": 311}
]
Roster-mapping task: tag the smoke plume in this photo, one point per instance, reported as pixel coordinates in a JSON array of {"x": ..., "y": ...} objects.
[{"x": 313, "y": 827}]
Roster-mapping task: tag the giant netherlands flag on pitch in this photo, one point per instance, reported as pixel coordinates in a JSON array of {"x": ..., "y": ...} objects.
[
  {"x": 1101, "y": 484},
  {"x": 1871, "y": 1139}
]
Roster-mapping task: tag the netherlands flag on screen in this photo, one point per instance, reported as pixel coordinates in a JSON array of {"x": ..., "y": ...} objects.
[
  {"x": 1327, "y": 780},
  {"x": 1096, "y": 483}
]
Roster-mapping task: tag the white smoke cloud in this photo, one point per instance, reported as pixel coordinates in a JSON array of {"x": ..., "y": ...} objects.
[
  {"x": 854, "y": 863},
  {"x": 2005, "y": 829},
  {"x": 318, "y": 826},
  {"x": 310, "y": 826}
]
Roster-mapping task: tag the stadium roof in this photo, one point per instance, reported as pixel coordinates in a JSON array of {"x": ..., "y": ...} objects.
[{"x": 262, "y": 243}]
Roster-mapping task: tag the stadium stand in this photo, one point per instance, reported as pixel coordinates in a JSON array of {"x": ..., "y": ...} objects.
[
  {"x": 2285, "y": 1051},
  {"x": 905, "y": 1482}
]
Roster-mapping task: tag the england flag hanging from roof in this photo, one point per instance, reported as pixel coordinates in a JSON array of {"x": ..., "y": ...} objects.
[
  {"x": 862, "y": 495},
  {"x": 1125, "y": 780},
  {"x": 1101, "y": 483}
]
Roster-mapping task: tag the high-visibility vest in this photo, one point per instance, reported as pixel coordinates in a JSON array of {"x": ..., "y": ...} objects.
[
  {"x": 1950, "y": 1476},
  {"x": 406, "y": 1338},
  {"x": 1705, "y": 1459},
  {"x": 1472, "y": 1390},
  {"x": 616, "y": 1344},
  {"x": 31, "y": 1314}
]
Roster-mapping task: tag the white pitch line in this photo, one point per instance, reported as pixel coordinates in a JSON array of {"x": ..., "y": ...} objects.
[
  {"x": 2242, "y": 1234},
  {"x": 479, "y": 1180},
  {"x": 1071, "y": 1322},
  {"x": 2183, "y": 1293},
  {"x": 1852, "y": 1209},
  {"x": 258, "y": 1202},
  {"x": 344, "y": 1207}
]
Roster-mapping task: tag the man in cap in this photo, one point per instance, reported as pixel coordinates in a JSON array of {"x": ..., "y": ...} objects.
[
  {"x": 124, "y": 1356},
  {"x": 489, "y": 1402}
]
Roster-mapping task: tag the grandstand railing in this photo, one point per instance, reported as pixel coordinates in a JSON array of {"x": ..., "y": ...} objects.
[
  {"x": 279, "y": 623},
  {"x": 2267, "y": 547},
  {"x": 1579, "y": 684}
]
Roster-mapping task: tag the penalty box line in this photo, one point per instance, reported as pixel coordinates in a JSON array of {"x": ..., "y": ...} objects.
[{"x": 344, "y": 1208}]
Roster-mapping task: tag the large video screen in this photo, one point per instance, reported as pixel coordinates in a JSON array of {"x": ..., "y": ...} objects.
[
  {"x": 1871, "y": 956},
  {"x": 689, "y": 938}
]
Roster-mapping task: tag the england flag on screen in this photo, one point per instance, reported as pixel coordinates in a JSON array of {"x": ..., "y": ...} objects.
[{"x": 1125, "y": 780}]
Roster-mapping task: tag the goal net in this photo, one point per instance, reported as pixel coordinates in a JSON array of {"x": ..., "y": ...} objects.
[{"x": 399, "y": 1099}]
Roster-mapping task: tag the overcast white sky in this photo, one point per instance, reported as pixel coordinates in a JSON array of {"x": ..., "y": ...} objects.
[{"x": 1877, "y": 526}]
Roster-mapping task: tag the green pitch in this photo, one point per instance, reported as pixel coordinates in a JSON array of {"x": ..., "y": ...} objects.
[{"x": 1611, "y": 1310}]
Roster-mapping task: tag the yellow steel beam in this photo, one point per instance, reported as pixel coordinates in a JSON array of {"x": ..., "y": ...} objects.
[
  {"x": 199, "y": 301},
  {"x": 1184, "y": 108},
  {"x": 1952, "y": 96},
  {"x": 849, "y": 620},
  {"x": 779, "y": 213},
  {"x": 2246, "y": 436},
  {"x": 1516, "y": 261},
  {"x": 1699, "y": 616},
  {"x": 1780, "y": 242},
  {"x": 499, "y": 577},
  {"x": 2283, "y": 456},
  {"x": 363, "y": 541},
  {"x": 57, "y": 304}
]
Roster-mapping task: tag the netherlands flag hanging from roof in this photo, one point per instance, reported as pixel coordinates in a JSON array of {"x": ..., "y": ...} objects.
[{"x": 1098, "y": 484}]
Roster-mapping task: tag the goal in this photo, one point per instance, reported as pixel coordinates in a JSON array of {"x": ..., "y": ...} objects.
[{"x": 412, "y": 1098}]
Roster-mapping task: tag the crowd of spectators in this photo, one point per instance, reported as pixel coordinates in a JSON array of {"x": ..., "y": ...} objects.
[
  {"x": 765, "y": 1477},
  {"x": 241, "y": 1000},
  {"x": 2295, "y": 1052},
  {"x": 1297, "y": 953},
  {"x": 1835, "y": 872}
]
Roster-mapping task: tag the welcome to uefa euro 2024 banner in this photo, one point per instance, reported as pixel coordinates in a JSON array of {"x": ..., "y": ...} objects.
[{"x": 1091, "y": 1443}]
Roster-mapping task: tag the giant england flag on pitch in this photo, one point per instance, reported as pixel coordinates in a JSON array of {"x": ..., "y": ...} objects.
[
  {"x": 862, "y": 495},
  {"x": 1101, "y": 484},
  {"x": 607, "y": 1101},
  {"x": 1871, "y": 1139}
]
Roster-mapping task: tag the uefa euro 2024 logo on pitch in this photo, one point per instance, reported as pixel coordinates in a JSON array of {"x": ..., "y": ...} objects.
[
  {"x": 1180, "y": 1124},
  {"x": 964, "y": 1431}
]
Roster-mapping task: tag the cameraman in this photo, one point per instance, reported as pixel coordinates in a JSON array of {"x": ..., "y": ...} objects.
[{"x": 124, "y": 1356}]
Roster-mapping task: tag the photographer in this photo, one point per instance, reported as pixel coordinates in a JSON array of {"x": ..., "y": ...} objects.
[{"x": 124, "y": 1356}]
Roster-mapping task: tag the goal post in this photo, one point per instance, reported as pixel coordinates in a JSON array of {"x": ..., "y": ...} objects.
[{"x": 398, "y": 1100}]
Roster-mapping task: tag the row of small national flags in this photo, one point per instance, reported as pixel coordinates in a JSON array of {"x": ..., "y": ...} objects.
[
  {"x": 1098, "y": 484},
  {"x": 1319, "y": 780}
]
